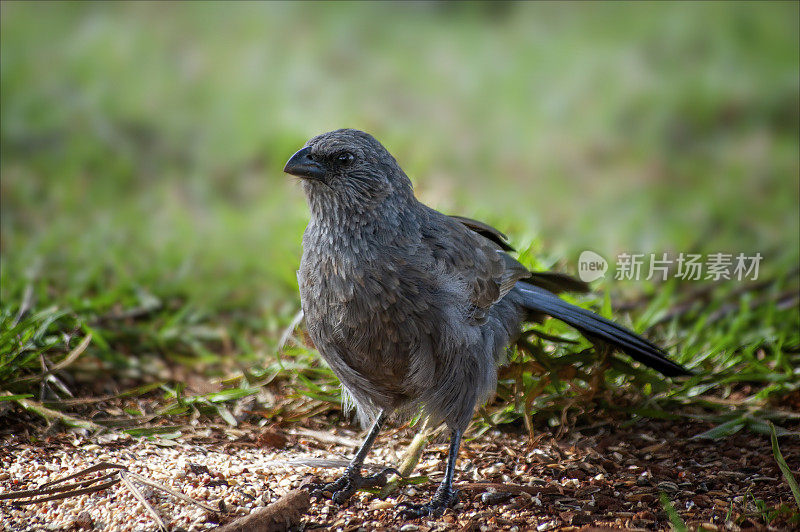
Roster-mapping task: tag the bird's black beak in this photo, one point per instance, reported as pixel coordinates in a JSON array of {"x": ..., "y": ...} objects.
[{"x": 303, "y": 165}]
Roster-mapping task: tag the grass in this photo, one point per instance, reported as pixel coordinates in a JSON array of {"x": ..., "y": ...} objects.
[
  {"x": 678, "y": 525},
  {"x": 785, "y": 471},
  {"x": 143, "y": 203}
]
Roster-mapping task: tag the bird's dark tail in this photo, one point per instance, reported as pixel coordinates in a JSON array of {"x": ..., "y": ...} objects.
[{"x": 540, "y": 300}]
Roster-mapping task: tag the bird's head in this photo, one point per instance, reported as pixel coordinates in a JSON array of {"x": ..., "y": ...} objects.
[{"x": 348, "y": 168}]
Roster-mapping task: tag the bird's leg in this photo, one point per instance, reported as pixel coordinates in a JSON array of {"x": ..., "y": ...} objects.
[
  {"x": 342, "y": 488},
  {"x": 445, "y": 495}
]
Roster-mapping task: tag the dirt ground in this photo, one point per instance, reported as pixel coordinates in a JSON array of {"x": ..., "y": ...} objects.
[{"x": 604, "y": 476}]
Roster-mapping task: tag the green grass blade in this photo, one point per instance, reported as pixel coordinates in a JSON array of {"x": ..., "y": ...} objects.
[
  {"x": 720, "y": 431},
  {"x": 15, "y": 397},
  {"x": 675, "y": 520},
  {"x": 787, "y": 473}
]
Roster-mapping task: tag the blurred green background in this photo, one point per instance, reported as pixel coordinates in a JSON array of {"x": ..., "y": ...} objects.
[
  {"x": 149, "y": 239},
  {"x": 142, "y": 143}
]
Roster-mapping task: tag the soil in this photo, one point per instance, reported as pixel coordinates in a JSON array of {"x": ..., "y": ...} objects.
[{"x": 605, "y": 476}]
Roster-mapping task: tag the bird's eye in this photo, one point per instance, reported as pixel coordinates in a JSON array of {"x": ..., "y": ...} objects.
[{"x": 345, "y": 158}]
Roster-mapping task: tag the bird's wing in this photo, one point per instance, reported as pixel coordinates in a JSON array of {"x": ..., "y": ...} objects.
[
  {"x": 553, "y": 281},
  {"x": 488, "y": 272},
  {"x": 486, "y": 230}
]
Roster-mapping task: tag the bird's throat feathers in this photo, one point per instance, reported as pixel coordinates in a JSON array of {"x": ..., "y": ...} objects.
[
  {"x": 345, "y": 231},
  {"x": 331, "y": 208}
]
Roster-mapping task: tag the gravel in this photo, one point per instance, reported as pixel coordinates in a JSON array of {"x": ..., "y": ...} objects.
[{"x": 610, "y": 477}]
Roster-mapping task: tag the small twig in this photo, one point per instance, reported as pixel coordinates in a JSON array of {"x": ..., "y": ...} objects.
[
  {"x": 123, "y": 475},
  {"x": 326, "y": 437},
  {"x": 72, "y": 493},
  {"x": 280, "y": 516},
  {"x": 63, "y": 492},
  {"x": 91, "y": 469},
  {"x": 56, "y": 489},
  {"x": 68, "y": 490},
  {"x": 174, "y": 493}
]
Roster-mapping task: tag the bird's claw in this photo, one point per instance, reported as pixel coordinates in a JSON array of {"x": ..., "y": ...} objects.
[
  {"x": 338, "y": 491},
  {"x": 345, "y": 486},
  {"x": 440, "y": 502}
]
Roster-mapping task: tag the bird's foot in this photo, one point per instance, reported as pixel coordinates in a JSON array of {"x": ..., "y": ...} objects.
[
  {"x": 441, "y": 501},
  {"x": 345, "y": 486}
]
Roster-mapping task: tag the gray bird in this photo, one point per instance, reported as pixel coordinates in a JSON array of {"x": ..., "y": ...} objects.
[{"x": 412, "y": 308}]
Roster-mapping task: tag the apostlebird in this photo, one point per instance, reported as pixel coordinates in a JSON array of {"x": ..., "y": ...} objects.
[{"x": 412, "y": 308}]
